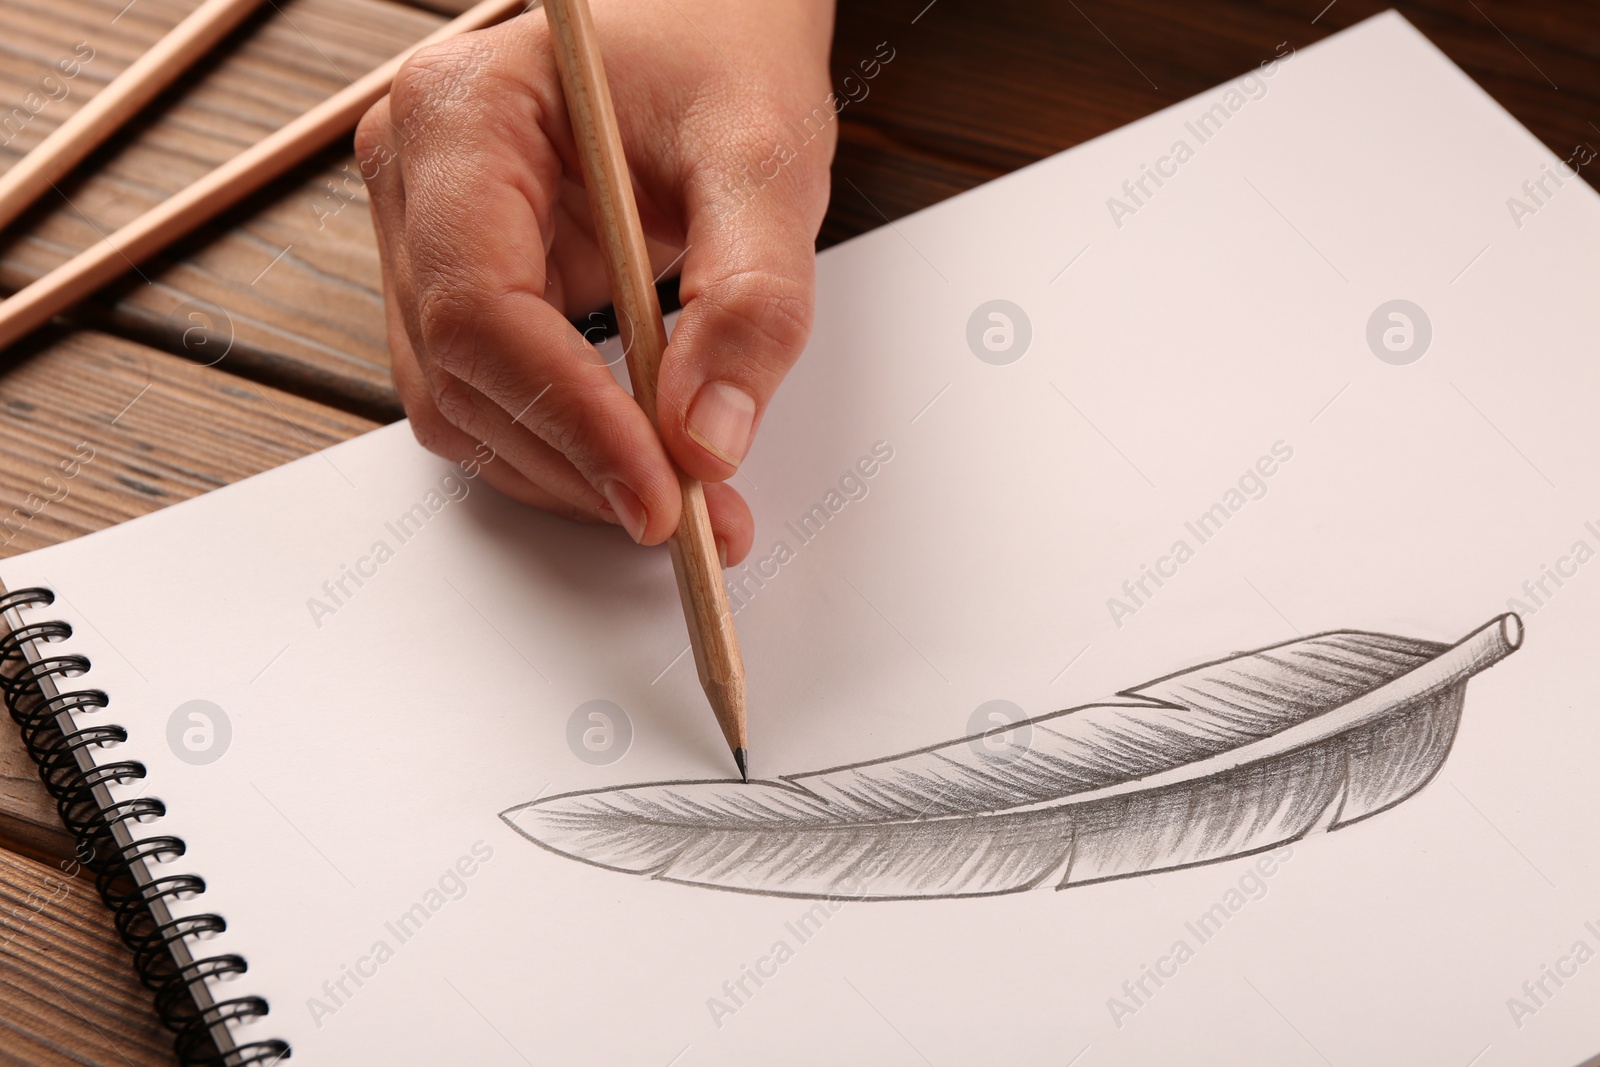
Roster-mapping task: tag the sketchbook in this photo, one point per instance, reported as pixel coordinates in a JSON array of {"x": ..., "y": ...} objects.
[{"x": 1170, "y": 639}]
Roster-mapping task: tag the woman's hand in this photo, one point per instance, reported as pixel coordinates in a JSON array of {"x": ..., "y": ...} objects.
[{"x": 488, "y": 248}]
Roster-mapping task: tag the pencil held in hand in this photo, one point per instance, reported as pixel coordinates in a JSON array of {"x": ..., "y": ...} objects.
[{"x": 621, "y": 237}]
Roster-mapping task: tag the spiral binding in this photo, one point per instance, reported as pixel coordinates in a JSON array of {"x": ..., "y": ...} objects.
[{"x": 26, "y": 670}]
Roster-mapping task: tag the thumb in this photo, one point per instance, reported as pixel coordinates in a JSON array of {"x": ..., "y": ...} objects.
[{"x": 747, "y": 289}]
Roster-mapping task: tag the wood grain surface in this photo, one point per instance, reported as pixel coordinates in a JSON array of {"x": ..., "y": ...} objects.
[
  {"x": 293, "y": 277},
  {"x": 57, "y": 156},
  {"x": 67, "y": 993},
  {"x": 994, "y": 86},
  {"x": 287, "y": 286}
]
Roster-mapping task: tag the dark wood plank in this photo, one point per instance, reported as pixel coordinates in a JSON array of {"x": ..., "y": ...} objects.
[
  {"x": 312, "y": 319},
  {"x": 68, "y": 994},
  {"x": 999, "y": 84},
  {"x": 877, "y": 178},
  {"x": 136, "y": 430},
  {"x": 443, "y": 7}
]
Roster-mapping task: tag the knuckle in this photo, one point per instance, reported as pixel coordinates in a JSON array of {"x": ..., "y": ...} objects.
[
  {"x": 456, "y": 402},
  {"x": 740, "y": 149},
  {"x": 437, "y": 77},
  {"x": 773, "y": 309},
  {"x": 445, "y": 314},
  {"x": 375, "y": 150},
  {"x": 372, "y": 134},
  {"x": 471, "y": 82}
]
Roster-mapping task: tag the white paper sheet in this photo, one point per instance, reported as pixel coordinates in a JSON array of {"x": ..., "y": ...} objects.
[{"x": 376, "y": 740}]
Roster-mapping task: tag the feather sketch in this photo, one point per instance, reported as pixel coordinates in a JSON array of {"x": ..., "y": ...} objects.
[{"x": 1221, "y": 760}]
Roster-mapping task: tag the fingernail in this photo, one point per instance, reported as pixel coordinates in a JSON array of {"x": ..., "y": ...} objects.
[
  {"x": 720, "y": 420},
  {"x": 722, "y": 552},
  {"x": 628, "y": 508}
]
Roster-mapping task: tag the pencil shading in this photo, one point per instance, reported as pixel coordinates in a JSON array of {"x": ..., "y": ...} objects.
[{"x": 1221, "y": 760}]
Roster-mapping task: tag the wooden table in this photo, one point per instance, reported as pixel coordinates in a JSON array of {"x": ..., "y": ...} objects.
[{"x": 974, "y": 90}]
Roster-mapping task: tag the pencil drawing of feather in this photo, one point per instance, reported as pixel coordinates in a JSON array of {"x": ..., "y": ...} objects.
[{"x": 1221, "y": 760}]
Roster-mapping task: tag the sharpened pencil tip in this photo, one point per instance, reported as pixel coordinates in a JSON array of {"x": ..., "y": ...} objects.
[{"x": 742, "y": 758}]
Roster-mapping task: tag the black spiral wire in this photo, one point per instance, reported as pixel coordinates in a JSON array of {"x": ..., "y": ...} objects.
[{"x": 94, "y": 826}]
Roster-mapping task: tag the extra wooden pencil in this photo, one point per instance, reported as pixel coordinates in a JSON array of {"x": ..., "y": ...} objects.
[
  {"x": 181, "y": 213},
  {"x": 605, "y": 174},
  {"x": 114, "y": 105}
]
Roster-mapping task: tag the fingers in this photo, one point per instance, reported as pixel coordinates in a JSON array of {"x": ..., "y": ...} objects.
[
  {"x": 747, "y": 289},
  {"x": 464, "y": 216},
  {"x": 732, "y": 525},
  {"x": 555, "y": 484},
  {"x": 487, "y": 246}
]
